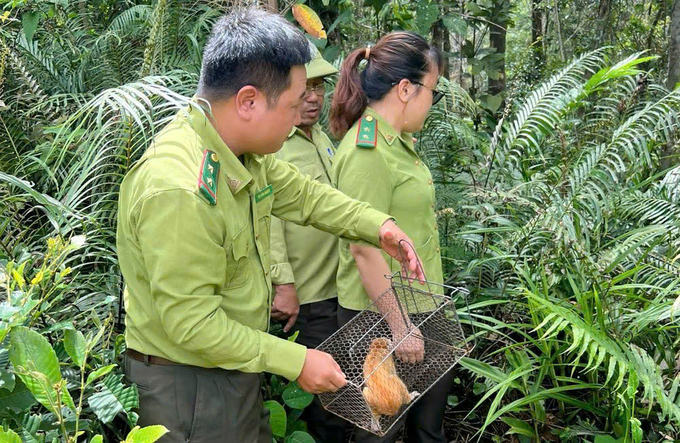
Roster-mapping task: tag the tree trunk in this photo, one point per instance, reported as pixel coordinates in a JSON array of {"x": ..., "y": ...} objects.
[
  {"x": 537, "y": 35},
  {"x": 442, "y": 40},
  {"x": 497, "y": 35},
  {"x": 674, "y": 47},
  {"x": 603, "y": 13}
]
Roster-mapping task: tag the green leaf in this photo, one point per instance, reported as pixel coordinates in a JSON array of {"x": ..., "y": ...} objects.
[
  {"x": 518, "y": 427},
  {"x": 294, "y": 336},
  {"x": 9, "y": 436},
  {"x": 475, "y": 9},
  {"x": 97, "y": 439},
  {"x": 452, "y": 400},
  {"x": 37, "y": 366},
  {"x": 113, "y": 398},
  {"x": 426, "y": 15},
  {"x": 342, "y": 18},
  {"x": 29, "y": 427},
  {"x": 377, "y": 4},
  {"x": 297, "y": 398},
  {"x": 29, "y": 21},
  {"x": 479, "y": 388},
  {"x": 607, "y": 439},
  {"x": 300, "y": 437},
  {"x": 98, "y": 373},
  {"x": 33, "y": 352},
  {"x": 75, "y": 345},
  {"x": 18, "y": 400},
  {"x": 277, "y": 417},
  {"x": 148, "y": 434},
  {"x": 455, "y": 24},
  {"x": 6, "y": 380}
]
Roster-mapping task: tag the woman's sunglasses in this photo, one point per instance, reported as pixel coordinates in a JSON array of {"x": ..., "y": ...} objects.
[{"x": 436, "y": 95}]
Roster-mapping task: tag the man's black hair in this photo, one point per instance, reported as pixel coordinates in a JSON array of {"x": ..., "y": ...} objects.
[{"x": 251, "y": 47}]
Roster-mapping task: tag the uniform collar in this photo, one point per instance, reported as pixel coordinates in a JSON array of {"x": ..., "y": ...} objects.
[
  {"x": 388, "y": 132},
  {"x": 296, "y": 130},
  {"x": 238, "y": 176}
]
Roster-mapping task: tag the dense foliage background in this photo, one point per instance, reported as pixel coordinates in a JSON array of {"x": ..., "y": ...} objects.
[{"x": 558, "y": 204}]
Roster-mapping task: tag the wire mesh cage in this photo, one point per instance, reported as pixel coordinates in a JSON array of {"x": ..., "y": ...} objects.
[{"x": 394, "y": 351}]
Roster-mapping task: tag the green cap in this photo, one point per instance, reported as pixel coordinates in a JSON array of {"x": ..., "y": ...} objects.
[{"x": 319, "y": 67}]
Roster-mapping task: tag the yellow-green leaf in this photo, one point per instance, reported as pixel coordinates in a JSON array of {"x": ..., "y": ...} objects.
[
  {"x": 9, "y": 436},
  {"x": 148, "y": 434},
  {"x": 309, "y": 21}
]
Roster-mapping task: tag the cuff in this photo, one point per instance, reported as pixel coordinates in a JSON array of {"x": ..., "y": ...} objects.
[
  {"x": 283, "y": 357},
  {"x": 369, "y": 225},
  {"x": 282, "y": 274}
]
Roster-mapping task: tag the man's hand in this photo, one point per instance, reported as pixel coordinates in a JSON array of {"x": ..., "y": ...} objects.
[
  {"x": 286, "y": 305},
  {"x": 398, "y": 245},
  {"x": 411, "y": 350},
  {"x": 320, "y": 373}
]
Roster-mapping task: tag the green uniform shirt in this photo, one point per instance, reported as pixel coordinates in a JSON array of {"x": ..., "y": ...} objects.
[
  {"x": 198, "y": 288},
  {"x": 302, "y": 254},
  {"x": 389, "y": 175}
]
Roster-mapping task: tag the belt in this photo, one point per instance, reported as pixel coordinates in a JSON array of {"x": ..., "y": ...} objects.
[{"x": 148, "y": 359}]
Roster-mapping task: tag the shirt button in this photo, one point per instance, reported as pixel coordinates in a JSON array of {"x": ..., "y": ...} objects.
[
  {"x": 417, "y": 162},
  {"x": 429, "y": 182},
  {"x": 438, "y": 250},
  {"x": 436, "y": 228},
  {"x": 432, "y": 205}
]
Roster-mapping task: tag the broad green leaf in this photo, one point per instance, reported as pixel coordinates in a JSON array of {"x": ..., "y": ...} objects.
[
  {"x": 29, "y": 428},
  {"x": 455, "y": 24},
  {"x": 18, "y": 400},
  {"x": 6, "y": 380},
  {"x": 37, "y": 365},
  {"x": 296, "y": 398},
  {"x": 97, "y": 439},
  {"x": 277, "y": 417},
  {"x": 479, "y": 388},
  {"x": 9, "y": 436},
  {"x": 518, "y": 427},
  {"x": 29, "y": 21},
  {"x": 300, "y": 437},
  {"x": 98, "y": 373},
  {"x": 426, "y": 14},
  {"x": 113, "y": 398},
  {"x": 148, "y": 434},
  {"x": 33, "y": 352},
  {"x": 75, "y": 345}
]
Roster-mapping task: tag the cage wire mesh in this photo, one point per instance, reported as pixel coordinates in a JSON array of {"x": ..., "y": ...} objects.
[{"x": 394, "y": 351}]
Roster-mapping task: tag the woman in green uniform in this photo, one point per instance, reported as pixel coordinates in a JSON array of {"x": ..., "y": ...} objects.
[{"x": 375, "y": 111}]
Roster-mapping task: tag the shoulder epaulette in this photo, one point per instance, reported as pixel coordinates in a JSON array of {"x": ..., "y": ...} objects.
[
  {"x": 208, "y": 177},
  {"x": 367, "y": 135}
]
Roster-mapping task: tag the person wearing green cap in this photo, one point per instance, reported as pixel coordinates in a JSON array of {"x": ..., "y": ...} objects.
[{"x": 305, "y": 259}]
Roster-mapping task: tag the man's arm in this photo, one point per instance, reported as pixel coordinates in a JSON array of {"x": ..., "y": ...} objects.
[
  {"x": 286, "y": 305},
  {"x": 186, "y": 266},
  {"x": 305, "y": 201}
]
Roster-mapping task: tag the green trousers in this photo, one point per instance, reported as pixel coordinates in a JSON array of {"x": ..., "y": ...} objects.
[{"x": 200, "y": 405}]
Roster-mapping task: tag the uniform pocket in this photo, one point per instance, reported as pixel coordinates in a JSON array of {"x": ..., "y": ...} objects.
[
  {"x": 238, "y": 269},
  {"x": 427, "y": 250},
  {"x": 209, "y": 412},
  {"x": 264, "y": 220}
]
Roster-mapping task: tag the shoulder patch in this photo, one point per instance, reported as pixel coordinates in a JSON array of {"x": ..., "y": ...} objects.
[
  {"x": 208, "y": 177},
  {"x": 367, "y": 135}
]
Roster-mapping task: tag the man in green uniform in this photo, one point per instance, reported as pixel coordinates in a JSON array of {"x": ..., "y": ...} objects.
[
  {"x": 305, "y": 259},
  {"x": 193, "y": 240}
]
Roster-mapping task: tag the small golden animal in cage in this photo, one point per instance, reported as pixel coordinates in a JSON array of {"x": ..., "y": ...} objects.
[{"x": 384, "y": 391}]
